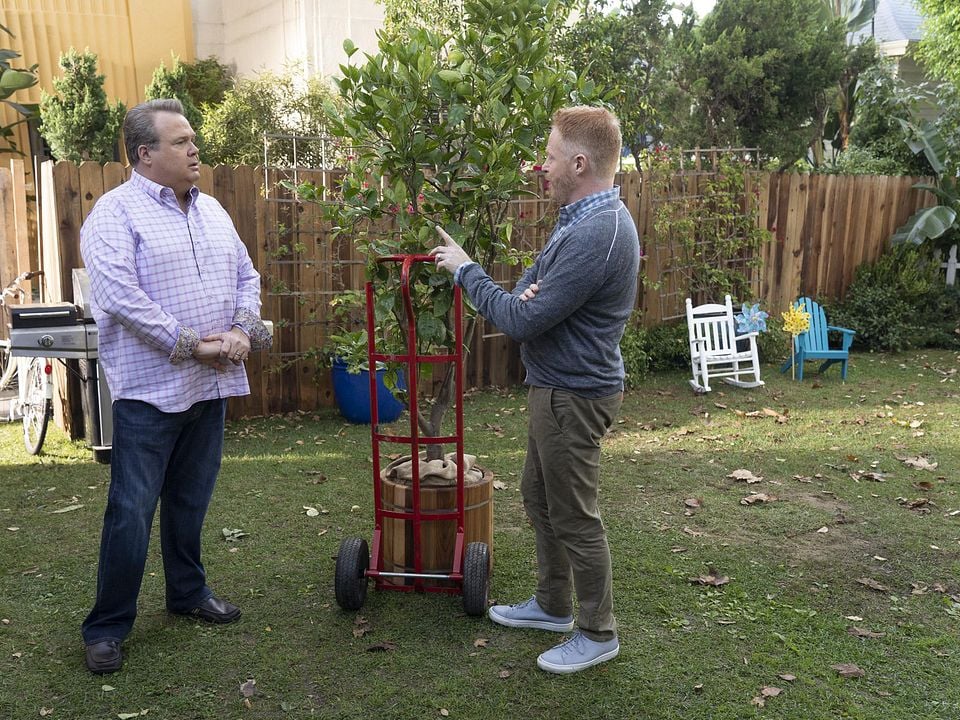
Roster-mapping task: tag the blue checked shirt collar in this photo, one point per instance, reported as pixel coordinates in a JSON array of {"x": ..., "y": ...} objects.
[{"x": 575, "y": 212}]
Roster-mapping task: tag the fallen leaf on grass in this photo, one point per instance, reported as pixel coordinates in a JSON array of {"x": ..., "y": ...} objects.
[
  {"x": 692, "y": 533},
  {"x": 745, "y": 475},
  {"x": 249, "y": 688},
  {"x": 823, "y": 530},
  {"x": 860, "y": 632},
  {"x": 758, "y": 498},
  {"x": 848, "y": 670},
  {"x": 916, "y": 504},
  {"x": 44, "y": 711},
  {"x": 919, "y": 462},
  {"x": 385, "y": 646},
  {"x": 780, "y": 417},
  {"x": 480, "y": 642},
  {"x": 232, "y": 535},
  {"x": 787, "y": 677},
  {"x": 130, "y": 715},
  {"x": 444, "y": 712},
  {"x": 768, "y": 691},
  {"x": 497, "y": 430},
  {"x": 360, "y": 626},
  {"x": 712, "y": 577},
  {"x": 504, "y": 674},
  {"x": 872, "y": 584},
  {"x": 875, "y": 476},
  {"x": 499, "y": 485},
  {"x": 68, "y": 508},
  {"x": 692, "y": 503}
]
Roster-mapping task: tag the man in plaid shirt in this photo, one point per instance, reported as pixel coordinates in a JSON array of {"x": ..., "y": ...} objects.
[{"x": 176, "y": 300}]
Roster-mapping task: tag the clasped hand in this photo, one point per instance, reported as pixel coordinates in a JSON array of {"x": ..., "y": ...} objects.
[{"x": 218, "y": 349}]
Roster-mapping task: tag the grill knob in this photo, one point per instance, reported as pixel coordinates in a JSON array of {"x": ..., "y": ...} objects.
[{"x": 46, "y": 341}]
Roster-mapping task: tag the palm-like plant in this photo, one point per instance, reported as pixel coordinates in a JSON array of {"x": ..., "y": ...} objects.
[{"x": 938, "y": 224}]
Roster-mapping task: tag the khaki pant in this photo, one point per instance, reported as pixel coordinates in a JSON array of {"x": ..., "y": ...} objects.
[{"x": 560, "y": 482}]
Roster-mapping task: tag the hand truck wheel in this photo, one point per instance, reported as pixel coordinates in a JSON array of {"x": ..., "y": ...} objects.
[
  {"x": 476, "y": 578},
  {"x": 350, "y": 582}
]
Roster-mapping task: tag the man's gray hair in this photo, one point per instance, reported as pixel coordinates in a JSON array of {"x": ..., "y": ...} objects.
[{"x": 138, "y": 127}]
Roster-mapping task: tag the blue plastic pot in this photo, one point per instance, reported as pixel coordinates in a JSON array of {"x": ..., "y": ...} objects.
[{"x": 352, "y": 394}]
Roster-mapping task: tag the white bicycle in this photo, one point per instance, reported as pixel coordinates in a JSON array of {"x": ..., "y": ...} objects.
[{"x": 30, "y": 377}]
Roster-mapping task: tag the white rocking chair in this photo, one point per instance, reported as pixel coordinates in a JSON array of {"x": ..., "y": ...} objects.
[{"x": 713, "y": 348}]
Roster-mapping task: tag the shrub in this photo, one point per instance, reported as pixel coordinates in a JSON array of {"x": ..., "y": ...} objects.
[
  {"x": 278, "y": 104},
  {"x": 647, "y": 350},
  {"x": 773, "y": 346},
  {"x": 76, "y": 121},
  {"x": 900, "y": 302},
  {"x": 173, "y": 83}
]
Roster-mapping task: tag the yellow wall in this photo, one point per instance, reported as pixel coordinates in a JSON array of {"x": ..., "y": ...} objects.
[{"x": 130, "y": 37}]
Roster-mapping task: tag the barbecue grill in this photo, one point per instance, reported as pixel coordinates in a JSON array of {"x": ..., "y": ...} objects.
[{"x": 66, "y": 331}]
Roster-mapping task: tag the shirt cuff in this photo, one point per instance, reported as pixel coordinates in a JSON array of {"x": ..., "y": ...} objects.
[
  {"x": 187, "y": 342},
  {"x": 252, "y": 326},
  {"x": 459, "y": 271}
]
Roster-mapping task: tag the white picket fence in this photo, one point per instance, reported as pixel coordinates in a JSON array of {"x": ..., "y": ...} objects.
[{"x": 951, "y": 266}]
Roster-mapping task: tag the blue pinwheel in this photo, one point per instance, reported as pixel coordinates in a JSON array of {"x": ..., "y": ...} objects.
[{"x": 751, "y": 319}]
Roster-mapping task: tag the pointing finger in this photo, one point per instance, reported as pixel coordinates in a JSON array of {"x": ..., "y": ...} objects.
[{"x": 443, "y": 234}]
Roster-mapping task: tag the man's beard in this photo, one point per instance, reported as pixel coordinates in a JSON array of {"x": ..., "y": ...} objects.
[{"x": 560, "y": 189}]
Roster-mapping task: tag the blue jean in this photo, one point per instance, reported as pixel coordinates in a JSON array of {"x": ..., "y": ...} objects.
[{"x": 172, "y": 458}]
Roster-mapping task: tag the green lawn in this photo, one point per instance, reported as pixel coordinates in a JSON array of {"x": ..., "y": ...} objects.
[{"x": 850, "y": 510}]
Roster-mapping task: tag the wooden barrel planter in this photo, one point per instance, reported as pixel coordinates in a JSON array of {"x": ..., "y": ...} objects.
[{"x": 437, "y": 537}]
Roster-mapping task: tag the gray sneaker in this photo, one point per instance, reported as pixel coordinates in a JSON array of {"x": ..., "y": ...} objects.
[
  {"x": 578, "y": 653},
  {"x": 529, "y": 615}
]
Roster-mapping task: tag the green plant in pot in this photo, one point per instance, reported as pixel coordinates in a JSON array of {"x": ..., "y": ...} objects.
[
  {"x": 346, "y": 354},
  {"x": 444, "y": 127}
]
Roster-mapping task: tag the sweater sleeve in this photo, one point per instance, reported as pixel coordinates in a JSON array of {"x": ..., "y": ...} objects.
[{"x": 572, "y": 278}]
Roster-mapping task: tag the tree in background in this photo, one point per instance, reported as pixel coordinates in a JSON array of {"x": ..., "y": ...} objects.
[
  {"x": 76, "y": 121},
  {"x": 402, "y": 16},
  {"x": 940, "y": 47},
  {"x": 623, "y": 51},
  {"x": 759, "y": 70},
  {"x": 175, "y": 83},
  {"x": 207, "y": 81},
  {"x": 12, "y": 80},
  {"x": 275, "y": 104}
]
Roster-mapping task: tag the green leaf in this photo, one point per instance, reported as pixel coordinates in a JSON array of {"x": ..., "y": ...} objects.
[
  {"x": 349, "y": 48},
  {"x": 926, "y": 224},
  {"x": 13, "y": 80},
  {"x": 450, "y": 76}
]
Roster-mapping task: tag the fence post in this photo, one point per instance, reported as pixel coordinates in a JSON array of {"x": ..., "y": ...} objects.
[{"x": 951, "y": 266}]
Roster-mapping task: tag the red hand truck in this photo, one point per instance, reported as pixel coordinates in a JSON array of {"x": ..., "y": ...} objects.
[{"x": 469, "y": 572}]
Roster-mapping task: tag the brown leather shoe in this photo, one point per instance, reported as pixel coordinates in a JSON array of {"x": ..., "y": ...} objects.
[
  {"x": 104, "y": 657},
  {"x": 214, "y": 610}
]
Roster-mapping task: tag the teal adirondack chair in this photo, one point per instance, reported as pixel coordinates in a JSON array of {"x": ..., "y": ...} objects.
[{"x": 814, "y": 343}]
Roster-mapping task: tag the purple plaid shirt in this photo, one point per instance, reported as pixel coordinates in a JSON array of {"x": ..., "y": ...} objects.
[{"x": 159, "y": 276}]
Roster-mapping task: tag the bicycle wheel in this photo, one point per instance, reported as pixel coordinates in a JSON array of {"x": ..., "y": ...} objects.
[
  {"x": 8, "y": 368},
  {"x": 37, "y": 406}
]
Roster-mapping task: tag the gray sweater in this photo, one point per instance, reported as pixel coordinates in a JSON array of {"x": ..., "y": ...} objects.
[{"x": 570, "y": 330}]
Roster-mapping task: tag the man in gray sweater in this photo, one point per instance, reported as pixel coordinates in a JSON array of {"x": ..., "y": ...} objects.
[{"x": 568, "y": 311}]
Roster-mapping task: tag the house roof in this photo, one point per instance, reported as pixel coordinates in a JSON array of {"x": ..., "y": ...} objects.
[{"x": 894, "y": 21}]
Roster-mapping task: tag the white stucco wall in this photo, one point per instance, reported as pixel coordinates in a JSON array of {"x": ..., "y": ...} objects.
[{"x": 254, "y": 35}]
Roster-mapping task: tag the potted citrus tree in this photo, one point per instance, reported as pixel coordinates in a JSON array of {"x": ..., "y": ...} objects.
[{"x": 444, "y": 126}]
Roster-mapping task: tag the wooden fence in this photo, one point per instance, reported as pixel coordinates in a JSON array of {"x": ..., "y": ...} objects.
[{"x": 822, "y": 227}]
